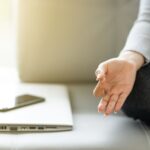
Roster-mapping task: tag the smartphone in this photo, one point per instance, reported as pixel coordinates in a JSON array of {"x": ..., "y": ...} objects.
[{"x": 20, "y": 101}]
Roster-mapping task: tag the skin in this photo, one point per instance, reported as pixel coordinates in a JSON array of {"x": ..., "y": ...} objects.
[{"x": 116, "y": 78}]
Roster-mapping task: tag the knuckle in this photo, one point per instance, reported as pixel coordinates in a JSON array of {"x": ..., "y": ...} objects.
[
  {"x": 113, "y": 100},
  {"x": 105, "y": 99}
]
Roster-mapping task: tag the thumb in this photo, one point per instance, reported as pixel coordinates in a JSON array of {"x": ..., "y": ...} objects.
[{"x": 101, "y": 71}]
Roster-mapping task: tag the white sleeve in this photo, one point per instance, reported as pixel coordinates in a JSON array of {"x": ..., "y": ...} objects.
[{"x": 139, "y": 37}]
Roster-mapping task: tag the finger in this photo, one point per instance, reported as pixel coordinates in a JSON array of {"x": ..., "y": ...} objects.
[
  {"x": 120, "y": 102},
  {"x": 99, "y": 90},
  {"x": 111, "y": 104},
  {"x": 101, "y": 77},
  {"x": 103, "y": 103},
  {"x": 102, "y": 69}
]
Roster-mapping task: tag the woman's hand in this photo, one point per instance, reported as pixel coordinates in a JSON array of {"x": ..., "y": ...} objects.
[{"x": 116, "y": 78}]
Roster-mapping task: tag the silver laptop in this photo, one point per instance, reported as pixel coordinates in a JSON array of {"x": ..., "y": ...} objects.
[{"x": 54, "y": 114}]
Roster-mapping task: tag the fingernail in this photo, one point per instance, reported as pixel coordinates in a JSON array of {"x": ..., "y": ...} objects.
[
  {"x": 98, "y": 75},
  {"x": 105, "y": 115},
  {"x": 115, "y": 112}
]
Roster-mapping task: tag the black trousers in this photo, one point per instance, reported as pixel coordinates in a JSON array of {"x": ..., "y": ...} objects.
[{"x": 137, "y": 104}]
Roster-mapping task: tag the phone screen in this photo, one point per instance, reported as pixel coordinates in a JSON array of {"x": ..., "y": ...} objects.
[{"x": 20, "y": 101}]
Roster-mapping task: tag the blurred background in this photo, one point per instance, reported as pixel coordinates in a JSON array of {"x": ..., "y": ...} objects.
[
  {"x": 7, "y": 33},
  {"x": 46, "y": 38}
]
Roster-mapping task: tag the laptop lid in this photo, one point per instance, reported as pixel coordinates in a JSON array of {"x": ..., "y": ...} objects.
[{"x": 52, "y": 115}]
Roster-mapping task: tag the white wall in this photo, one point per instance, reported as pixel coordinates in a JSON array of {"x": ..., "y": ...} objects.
[
  {"x": 7, "y": 26},
  {"x": 7, "y": 37}
]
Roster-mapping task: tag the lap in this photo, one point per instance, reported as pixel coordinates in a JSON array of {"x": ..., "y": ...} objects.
[{"x": 137, "y": 104}]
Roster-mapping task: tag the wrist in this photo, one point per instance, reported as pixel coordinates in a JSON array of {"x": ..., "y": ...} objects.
[{"x": 133, "y": 57}]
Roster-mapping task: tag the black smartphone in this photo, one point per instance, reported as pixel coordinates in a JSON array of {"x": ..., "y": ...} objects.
[{"x": 20, "y": 101}]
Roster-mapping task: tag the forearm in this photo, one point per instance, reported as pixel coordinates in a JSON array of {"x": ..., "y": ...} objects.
[{"x": 134, "y": 57}]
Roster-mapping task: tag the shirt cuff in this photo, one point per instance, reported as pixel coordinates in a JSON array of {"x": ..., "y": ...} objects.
[{"x": 140, "y": 45}]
